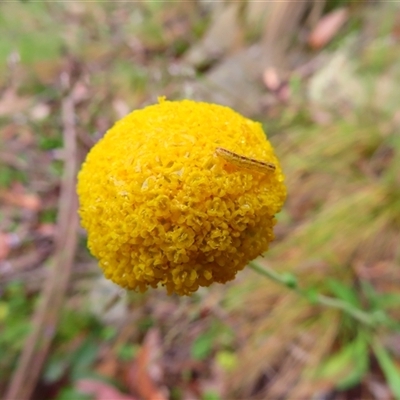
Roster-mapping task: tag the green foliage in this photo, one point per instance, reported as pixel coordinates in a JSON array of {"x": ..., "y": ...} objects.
[
  {"x": 27, "y": 32},
  {"x": 83, "y": 358},
  {"x": 147, "y": 27},
  {"x": 127, "y": 351},
  {"x": 211, "y": 395},
  {"x": 48, "y": 216},
  {"x": 71, "y": 357},
  {"x": 145, "y": 323},
  {"x": 50, "y": 143},
  {"x": 218, "y": 335},
  {"x": 8, "y": 175},
  {"x": 333, "y": 4},
  {"x": 108, "y": 333},
  {"x": 72, "y": 394},
  {"x": 348, "y": 366},
  {"x": 129, "y": 78},
  {"x": 344, "y": 292},
  {"x": 227, "y": 360},
  {"x": 389, "y": 368},
  {"x": 56, "y": 168},
  {"x": 15, "y": 309},
  {"x": 203, "y": 346},
  {"x": 380, "y": 301},
  {"x": 73, "y": 323}
]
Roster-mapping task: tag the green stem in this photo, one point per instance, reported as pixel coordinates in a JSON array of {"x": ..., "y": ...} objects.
[
  {"x": 290, "y": 282},
  {"x": 356, "y": 313}
]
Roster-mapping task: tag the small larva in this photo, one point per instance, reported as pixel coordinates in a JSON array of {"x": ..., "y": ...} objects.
[{"x": 245, "y": 162}]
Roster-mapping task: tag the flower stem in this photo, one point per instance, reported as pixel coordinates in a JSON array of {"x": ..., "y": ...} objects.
[{"x": 290, "y": 282}]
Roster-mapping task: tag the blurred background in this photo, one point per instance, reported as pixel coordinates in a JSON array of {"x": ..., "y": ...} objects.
[{"x": 323, "y": 77}]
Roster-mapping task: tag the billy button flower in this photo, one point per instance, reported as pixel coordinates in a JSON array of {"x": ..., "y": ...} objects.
[{"x": 180, "y": 194}]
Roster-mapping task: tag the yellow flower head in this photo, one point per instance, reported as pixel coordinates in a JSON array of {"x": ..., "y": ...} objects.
[{"x": 165, "y": 202}]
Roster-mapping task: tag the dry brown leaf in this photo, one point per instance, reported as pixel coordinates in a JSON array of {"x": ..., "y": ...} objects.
[
  {"x": 17, "y": 198},
  {"x": 144, "y": 375},
  {"x": 327, "y": 27},
  {"x": 271, "y": 79},
  {"x": 101, "y": 390},
  {"x": 15, "y": 139},
  {"x": 11, "y": 103},
  {"x": 40, "y": 111},
  {"x": 80, "y": 92},
  {"x": 108, "y": 367},
  {"x": 396, "y": 27},
  {"x": 5, "y": 245},
  {"x": 284, "y": 92},
  {"x": 275, "y": 84},
  {"x": 47, "y": 229},
  {"x": 120, "y": 107},
  {"x": 47, "y": 71}
]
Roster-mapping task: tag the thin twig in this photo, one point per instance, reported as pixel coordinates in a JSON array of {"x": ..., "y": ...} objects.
[{"x": 47, "y": 314}]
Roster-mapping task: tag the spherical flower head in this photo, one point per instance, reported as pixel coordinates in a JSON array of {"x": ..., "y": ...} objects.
[{"x": 163, "y": 207}]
